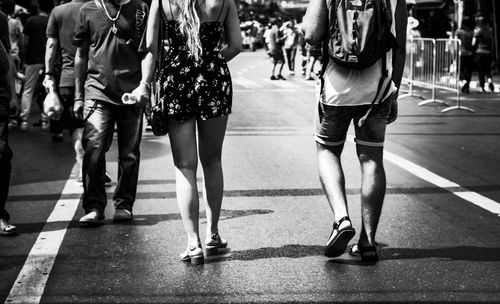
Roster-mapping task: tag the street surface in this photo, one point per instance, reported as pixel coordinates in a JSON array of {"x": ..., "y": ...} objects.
[{"x": 439, "y": 234}]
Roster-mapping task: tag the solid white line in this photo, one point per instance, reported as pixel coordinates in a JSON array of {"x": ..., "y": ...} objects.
[
  {"x": 473, "y": 197},
  {"x": 431, "y": 177},
  {"x": 30, "y": 283}
]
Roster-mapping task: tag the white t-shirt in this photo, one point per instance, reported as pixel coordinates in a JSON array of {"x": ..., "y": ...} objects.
[{"x": 347, "y": 87}]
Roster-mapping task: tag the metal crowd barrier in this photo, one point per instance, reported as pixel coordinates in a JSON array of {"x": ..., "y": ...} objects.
[{"x": 433, "y": 64}]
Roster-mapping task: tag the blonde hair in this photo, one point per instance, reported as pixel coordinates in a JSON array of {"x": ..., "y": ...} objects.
[{"x": 189, "y": 25}]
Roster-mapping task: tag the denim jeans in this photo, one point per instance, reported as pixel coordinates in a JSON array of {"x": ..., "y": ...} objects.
[
  {"x": 96, "y": 140},
  {"x": 5, "y": 152}
]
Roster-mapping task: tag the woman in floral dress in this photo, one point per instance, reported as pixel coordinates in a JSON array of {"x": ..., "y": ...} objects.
[{"x": 197, "y": 93}]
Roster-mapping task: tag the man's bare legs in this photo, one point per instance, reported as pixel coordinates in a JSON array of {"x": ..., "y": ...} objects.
[
  {"x": 373, "y": 185},
  {"x": 332, "y": 180},
  {"x": 211, "y": 136}
]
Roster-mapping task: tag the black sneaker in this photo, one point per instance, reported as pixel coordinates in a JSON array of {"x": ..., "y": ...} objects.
[
  {"x": 38, "y": 123},
  {"x": 491, "y": 86},
  {"x": 58, "y": 137},
  {"x": 281, "y": 77},
  {"x": 273, "y": 77},
  {"x": 93, "y": 218}
]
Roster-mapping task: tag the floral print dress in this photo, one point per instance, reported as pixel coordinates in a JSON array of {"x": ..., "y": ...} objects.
[{"x": 195, "y": 89}]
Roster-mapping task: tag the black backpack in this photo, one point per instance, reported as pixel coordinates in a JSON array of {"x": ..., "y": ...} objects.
[{"x": 359, "y": 32}]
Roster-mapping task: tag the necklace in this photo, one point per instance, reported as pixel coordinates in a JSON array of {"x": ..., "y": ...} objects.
[{"x": 114, "y": 28}]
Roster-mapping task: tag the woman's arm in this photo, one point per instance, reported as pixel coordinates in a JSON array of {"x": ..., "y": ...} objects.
[
  {"x": 233, "y": 33},
  {"x": 153, "y": 27},
  {"x": 148, "y": 63},
  {"x": 315, "y": 22}
]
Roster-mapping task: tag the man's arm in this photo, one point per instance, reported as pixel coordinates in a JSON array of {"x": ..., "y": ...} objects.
[
  {"x": 401, "y": 22},
  {"x": 81, "y": 60},
  {"x": 399, "y": 55},
  {"x": 315, "y": 21},
  {"x": 50, "y": 56}
]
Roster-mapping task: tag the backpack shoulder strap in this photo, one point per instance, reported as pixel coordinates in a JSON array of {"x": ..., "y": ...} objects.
[{"x": 331, "y": 6}]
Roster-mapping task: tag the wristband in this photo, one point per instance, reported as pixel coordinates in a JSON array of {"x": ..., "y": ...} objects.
[
  {"x": 78, "y": 99},
  {"x": 146, "y": 84},
  {"x": 49, "y": 74}
]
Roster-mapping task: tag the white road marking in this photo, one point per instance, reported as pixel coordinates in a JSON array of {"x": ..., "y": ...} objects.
[
  {"x": 246, "y": 83},
  {"x": 473, "y": 197},
  {"x": 311, "y": 83},
  {"x": 431, "y": 177},
  {"x": 281, "y": 83},
  {"x": 32, "y": 279},
  {"x": 30, "y": 283}
]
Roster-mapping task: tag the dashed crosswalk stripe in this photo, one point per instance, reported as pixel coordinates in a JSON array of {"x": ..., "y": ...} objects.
[
  {"x": 246, "y": 83},
  {"x": 281, "y": 84}
]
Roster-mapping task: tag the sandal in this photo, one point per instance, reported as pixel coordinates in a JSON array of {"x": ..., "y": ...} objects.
[
  {"x": 214, "y": 243},
  {"x": 193, "y": 254},
  {"x": 336, "y": 246},
  {"x": 7, "y": 229},
  {"x": 367, "y": 254}
]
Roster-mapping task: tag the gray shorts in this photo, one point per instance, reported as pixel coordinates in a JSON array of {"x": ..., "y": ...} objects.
[{"x": 332, "y": 123}]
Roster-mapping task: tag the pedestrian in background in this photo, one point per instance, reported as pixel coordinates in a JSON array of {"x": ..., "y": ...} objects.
[
  {"x": 197, "y": 92},
  {"x": 16, "y": 41},
  {"x": 465, "y": 34},
  {"x": 483, "y": 46},
  {"x": 352, "y": 95},
  {"x": 60, "y": 35},
  {"x": 34, "y": 52},
  {"x": 313, "y": 55},
  {"x": 290, "y": 45},
  {"x": 6, "y": 83},
  {"x": 15, "y": 30},
  {"x": 107, "y": 65},
  {"x": 276, "y": 41}
]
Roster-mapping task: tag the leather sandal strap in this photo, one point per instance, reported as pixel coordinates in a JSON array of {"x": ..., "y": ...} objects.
[{"x": 336, "y": 225}]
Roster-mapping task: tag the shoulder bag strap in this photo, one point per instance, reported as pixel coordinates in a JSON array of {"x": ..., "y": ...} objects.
[
  {"x": 159, "y": 59},
  {"x": 221, "y": 10}
]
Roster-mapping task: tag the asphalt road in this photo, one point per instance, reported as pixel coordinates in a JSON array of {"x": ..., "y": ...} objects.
[{"x": 439, "y": 233}]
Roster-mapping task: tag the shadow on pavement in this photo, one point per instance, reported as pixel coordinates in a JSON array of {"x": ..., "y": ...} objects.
[
  {"x": 287, "y": 251},
  {"x": 458, "y": 253},
  {"x": 139, "y": 220}
]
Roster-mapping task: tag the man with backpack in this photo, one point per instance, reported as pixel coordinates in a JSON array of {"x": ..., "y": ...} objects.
[{"x": 363, "y": 62}]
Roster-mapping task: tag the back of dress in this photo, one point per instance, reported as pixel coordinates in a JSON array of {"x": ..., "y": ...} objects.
[{"x": 196, "y": 88}]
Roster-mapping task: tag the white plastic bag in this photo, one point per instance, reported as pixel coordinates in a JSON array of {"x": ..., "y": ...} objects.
[{"x": 52, "y": 105}]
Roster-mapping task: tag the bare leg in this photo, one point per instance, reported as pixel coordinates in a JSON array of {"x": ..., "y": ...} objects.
[
  {"x": 183, "y": 141},
  {"x": 332, "y": 180},
  {"x": 211, "y": 136},
  {"x": 281, "y": 68},
  {"x": 373, "y": 186}
]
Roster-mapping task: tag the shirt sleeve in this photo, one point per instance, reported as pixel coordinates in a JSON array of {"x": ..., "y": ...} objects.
[
  {"x": 26, "y": 29},
  {"x": 141, "y": 43},
  {"x": 82, "y": 30},
  {"x": 52, "y": 26}
]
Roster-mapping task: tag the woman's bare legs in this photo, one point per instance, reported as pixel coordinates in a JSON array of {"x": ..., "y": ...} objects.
[
  {"x": 211, "y": 136},
  {"x": 183, "y": 142}
]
